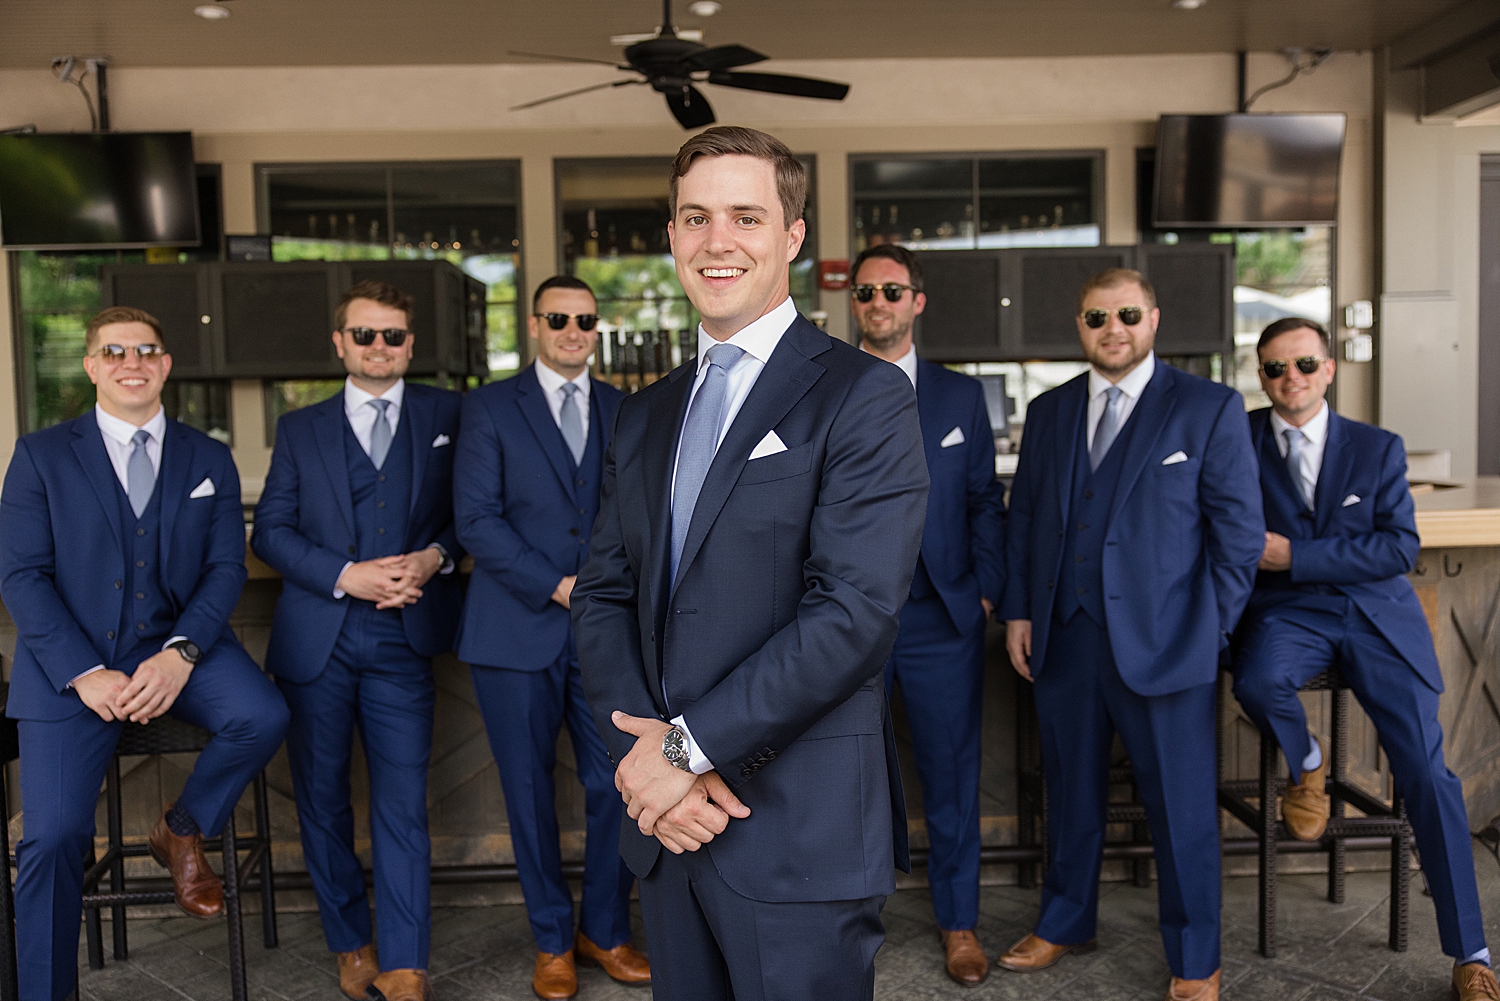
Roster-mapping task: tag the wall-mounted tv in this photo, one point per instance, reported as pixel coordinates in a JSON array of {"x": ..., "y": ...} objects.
[
  {"x": 84, "y": 190},
  {"x": 1247, "y": 170}
]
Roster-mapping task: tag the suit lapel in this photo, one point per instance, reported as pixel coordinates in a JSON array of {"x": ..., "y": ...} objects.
[
  {"x": 663, "y": 424},
  {"x": 1150, "y": 415},
  {"x": 172, "y": 482},
  {"x": 929, "y": 412},
  {"x": 328, "y": 431},
  {"x": 88, "y": 445},
  {"x": 419, "y": 412},
  {"x": 1073, "y": 411},
  {"x": 533, "y": 404},
  {"x": 1333, "y": 475}
]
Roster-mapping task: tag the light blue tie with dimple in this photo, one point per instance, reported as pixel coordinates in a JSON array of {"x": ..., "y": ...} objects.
[
  {"x": 1108, "y": 429},
  {"x": 1295, "y": 439},
  {"x": 380, "y": 434},
  {"x": 571, "y": 420},
  {"x": 700, "y": 440},
  {"x": 140, "y": 478}
]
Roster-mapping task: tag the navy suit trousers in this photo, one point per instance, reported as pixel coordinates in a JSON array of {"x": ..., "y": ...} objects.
[
  {"x": 941, "y": 674},
  {"x": 1291, "y": 643},
  {"x": 1081, "y": 703},
  {"x": 374, "y": 681}
]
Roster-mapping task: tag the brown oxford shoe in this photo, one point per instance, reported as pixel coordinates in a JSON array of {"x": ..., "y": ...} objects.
[
  {"x": 1194, "y": 990},
  {"x": 624, "y": 963},
  {"x": 1305, "y": 807},
  {"x": 1475, "y": 982},
  {"x": 357, "y": 971},
  {"x": 966, "y": 962},
  {"x": 403, "y": 985},
  {"x": 199, "y": 892},
  {"x": 1033, "y": 953},
  {"x": 555, "y": 976}
]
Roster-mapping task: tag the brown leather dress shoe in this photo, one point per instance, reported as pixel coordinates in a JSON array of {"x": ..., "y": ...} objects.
[
  {"x": 1305, "y": 806},
  {"x": 199, "y": 892},
  {"x": 966, "y": 962},
  {"x": 624, "y": 963},
  {"x": 1033, "y": 953},
  {"x": 403, "y": 985},
  {"x": 1194, "y": 990},
  {"x": 555, "y": 976},
  {"x": 1475, "y": 982},
  {"x": 357, "y": 971}
]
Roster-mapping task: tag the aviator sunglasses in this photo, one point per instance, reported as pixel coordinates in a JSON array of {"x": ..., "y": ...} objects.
[
  {"x": 586, "y": 321},
  {"x": 365, "y": 336},
  {"x": 1276, "y": 367},
  {"x": 893, "y": 291},
  {"x": 114, "y": 354},
  {"x": 1129, "y": 315}
]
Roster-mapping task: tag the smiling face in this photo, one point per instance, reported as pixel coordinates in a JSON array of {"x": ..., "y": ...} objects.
[
  {"x": 130, "y": 389},
  {"x": 731, "y": 243},
  {"x": 1115, "y": 349},
  {"x": 885, "y": 326},
  {"x": 376, "y": 366},
  {"x": 1297, "y": 397},
  {"x": 564, "y": 351}
]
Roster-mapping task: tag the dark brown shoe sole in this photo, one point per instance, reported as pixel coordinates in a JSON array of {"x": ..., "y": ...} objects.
[
  {"x": 156, "y": 857},
  {"x": 1080, "y": 950}
]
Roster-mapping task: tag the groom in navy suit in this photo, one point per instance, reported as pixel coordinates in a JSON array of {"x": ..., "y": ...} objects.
[
  {"x": 1332, "y": 590},
  {"x": 1135, "y": 527},
  {"x": 357, "y": 516},
  {"x": 122, "y": 555}
]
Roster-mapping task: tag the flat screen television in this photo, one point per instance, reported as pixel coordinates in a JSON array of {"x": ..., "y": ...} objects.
[
  {"x": 88, "y": 190},
  {"x": 1247, "y": 170}
]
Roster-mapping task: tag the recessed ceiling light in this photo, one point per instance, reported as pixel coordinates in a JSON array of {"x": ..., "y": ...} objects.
[
  {"x": 705, "y": 8},
  {"x": 211, "y": 12},
  {"x": 1188, "y": 4}
]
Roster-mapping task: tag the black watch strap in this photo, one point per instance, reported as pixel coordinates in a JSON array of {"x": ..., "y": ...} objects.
[{"x": 189, "y": 650}]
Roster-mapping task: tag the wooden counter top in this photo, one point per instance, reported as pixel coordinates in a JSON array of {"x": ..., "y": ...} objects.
[{"x": 1464, "y": 515}]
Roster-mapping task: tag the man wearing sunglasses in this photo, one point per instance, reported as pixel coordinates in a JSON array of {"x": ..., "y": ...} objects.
[
  {"x": 357, "y": 516},
  {"x": 526, "y": 490},
  {"x": 122, "y": 555},
  {"x": 1332, "y": 591},
  {"x": 1135, "y": 527},
  {"x": 939, "y": 654}
]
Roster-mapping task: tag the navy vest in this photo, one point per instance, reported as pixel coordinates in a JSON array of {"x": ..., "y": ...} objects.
[
  {"x": 1080, "y": 581},
  {"x": 381, "y": 497},
  {"x": 146, "y": 613},
  {"x": 587, "y": 481}
]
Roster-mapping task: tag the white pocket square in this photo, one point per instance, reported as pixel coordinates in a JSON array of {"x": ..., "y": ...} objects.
[
  {"x": 954, "y": 437},
  {"x": 204, "y": 489},
  {"x": 1351, "y": 499},
  {"x": 1174, "y": 459},
  {"x": 441, "y": 440},
  {"x": 769, "y": 445}
]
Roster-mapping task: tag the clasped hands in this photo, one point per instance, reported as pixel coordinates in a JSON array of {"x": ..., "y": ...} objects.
[
  {"x": 137, "y": 697},
  {"x": 681, "y": 810},
  {"x": 391, "y": 581}
]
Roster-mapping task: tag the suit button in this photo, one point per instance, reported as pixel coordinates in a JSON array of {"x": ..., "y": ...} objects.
[
  {"x": 119, "y": 584},
  {"x": 110, "y": 635},
  {"x": 582, "y": 511},
  {"x": 745, "y": 773},
  {"x": 1081, "y": 559},
  {"x": 351, "y": 550},
  {"x": 379, "y": 531},
  {"x": 1049, "y": 585},
  {"x": 1088, "y": 495},
  {"x": 380, "y": 503},
  {"x": 580, "y": 482},
  {"x": 140, "y": 625},
  {"x": 572, "y": 531},
  {"x": 140, "y": 595},
  {"x": 140, "y": 531},
  {"x": 381, "y": 477},
  {"x": 140, "y": 563},
  {"x": 1082, "y": 527},
  {"x": 1083, "y": 590}
]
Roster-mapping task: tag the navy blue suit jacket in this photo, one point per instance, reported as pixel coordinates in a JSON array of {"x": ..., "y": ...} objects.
[
  {"x": 514, "y": 496},
  {"x": 1183, "y": 538},
  {"x": 62, "y": 556},
  {"x": 963, "y": 543},
  {"x": 1361, "y": 536},
  {"x": 786, "y": 606},
  {"x": 304, "y": 529}
]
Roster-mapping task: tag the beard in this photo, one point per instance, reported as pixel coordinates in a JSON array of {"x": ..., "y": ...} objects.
[
  {"x": 889, "y": 339},
  {"x": 1113, "y": 369}
]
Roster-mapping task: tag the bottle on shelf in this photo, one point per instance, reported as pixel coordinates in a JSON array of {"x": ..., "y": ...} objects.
[
  {"x": 611, "y": 242},
  {"x": 591, "y": 243}
]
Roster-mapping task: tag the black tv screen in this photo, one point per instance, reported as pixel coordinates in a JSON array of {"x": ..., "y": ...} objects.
[
  {"x": 80, "y": 190},
  {"x": 1247, "y": 170}
]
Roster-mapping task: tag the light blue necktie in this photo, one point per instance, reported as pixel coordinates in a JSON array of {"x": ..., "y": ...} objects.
[
  {"x": 1295, "y": 439},
  {"x": 380, "y": 434},
  {"x": 570, "y": 418},
  {"x": 1108, "y": 428},
  {"x": 140, "y": 478},
  {"x": 700, "y": 440}
]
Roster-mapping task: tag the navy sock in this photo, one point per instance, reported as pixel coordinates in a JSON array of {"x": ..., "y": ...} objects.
[{"x": 181, "y": 823}]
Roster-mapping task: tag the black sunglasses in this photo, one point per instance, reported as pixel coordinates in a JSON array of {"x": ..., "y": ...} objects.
[
  {"x": 586, "y": 321},
  {"x": 1276, "y": 367},
  {"x": 892, "y": 291},
  {"x": 365, "y": 336},
  {"x": 1129, "y": 315}
]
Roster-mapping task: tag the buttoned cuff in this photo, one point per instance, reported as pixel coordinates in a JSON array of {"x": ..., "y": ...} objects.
[
  {"x": 100, "y": 667},
  {"x": 174, "y": 639},
  {"x": 697, "y": 761},
  {"x": 338, "y": 592}
]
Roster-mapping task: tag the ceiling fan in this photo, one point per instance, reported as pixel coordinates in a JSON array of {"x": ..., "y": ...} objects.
[{"x": 672, "y": 65}]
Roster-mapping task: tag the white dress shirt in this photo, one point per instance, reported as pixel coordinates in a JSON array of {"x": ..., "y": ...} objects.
[
  {"x": 758, "y": 340},
  {"x": 552, "y": 387},
  {"x": 906, "y": 363},
  {"x": 1316, "y": 432},
  {"x": 1131, "y": 388}
]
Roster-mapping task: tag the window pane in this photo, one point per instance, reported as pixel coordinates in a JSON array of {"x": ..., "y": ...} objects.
[
  {"x": 915, "y": 202},
  {"x": 1038, "y": 202},
  {"x": 343, "y": 205},
  {"x": 1279, "y": 273}
]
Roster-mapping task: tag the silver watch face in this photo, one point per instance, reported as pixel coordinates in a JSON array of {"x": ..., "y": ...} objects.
[{"x": 674, "y": 747}]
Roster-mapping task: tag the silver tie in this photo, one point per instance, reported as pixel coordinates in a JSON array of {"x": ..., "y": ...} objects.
[
  {"x": 380, "y": 434},
  {"x": 1108, "y": 428},
  {"x": 1295, "y": 439},
  {"x": 570, "y": 418},
  {"x": 700, "y": 440},
  {"x": 140, "y": 478}
]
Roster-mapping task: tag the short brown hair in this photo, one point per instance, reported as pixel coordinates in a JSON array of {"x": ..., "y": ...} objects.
[
  {"x": 734, "y": 140},
  {"x": 1114, "y": 278},
  {"x": 376, "y": 291},
  {"x": 119, "y": 314},
  {"x": 1286, "y": 325},
  {"x": 891, "y": 252}
]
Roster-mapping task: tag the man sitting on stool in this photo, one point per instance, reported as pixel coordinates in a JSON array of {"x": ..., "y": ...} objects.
[{"x": 1332, "y": 590}]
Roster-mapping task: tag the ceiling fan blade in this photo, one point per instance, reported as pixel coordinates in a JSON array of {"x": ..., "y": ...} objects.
[
  {"x": 779, "y": 83},
  {"x": 722, "y": 57},
  {"x": 567, "y": 59},
  {"x": 570, "y": 93},
  {"x": 690, "y": 107}
]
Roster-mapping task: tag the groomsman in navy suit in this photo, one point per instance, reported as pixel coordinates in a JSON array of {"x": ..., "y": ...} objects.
[
  {"x": 1332, "y": 591},
  {"x": 1135, "y": 527},
  {"x": 939, "y": 655},
  {"x": 526, "y": 492},
  {"x": 122, "y": 555},
  {"x": 357, "y": 516}
]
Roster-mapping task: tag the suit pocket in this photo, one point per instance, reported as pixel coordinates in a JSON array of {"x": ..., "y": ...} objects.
[
  {"x": 792, "y": 462},
  {"x": 859, "y": 714}
]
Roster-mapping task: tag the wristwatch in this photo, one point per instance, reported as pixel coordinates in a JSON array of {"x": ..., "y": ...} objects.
[
  {"x": 189, "y": 650},
  {"x": 674, "y": 747}
]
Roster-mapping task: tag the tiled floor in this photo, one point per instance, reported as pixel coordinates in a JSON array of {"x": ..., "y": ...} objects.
[{"x": 1328, "y": 952}]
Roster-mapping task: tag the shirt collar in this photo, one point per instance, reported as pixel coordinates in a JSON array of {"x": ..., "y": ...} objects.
[
  {"x": 906, "y": 363},
  {"x": 122, "y": 431},
  {"x": 553, "y": 381},
  {"x": 1315, "y": 430},
  {"x": 1133, "y": 385},
  {"x": 354, "y": 397},
  {"x": 758, "y": 339}
]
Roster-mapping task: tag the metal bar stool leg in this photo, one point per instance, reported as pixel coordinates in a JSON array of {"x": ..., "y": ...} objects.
[
  {"x": 117, "y": 867},
  {"x": 9, "y": 989},
  {"x": 267, "y": 873},
  {"x": 92, "y": 926},
  {"x": 237, "y": 987},
  {"x": 1269, "y": 760},
  {"x": 1400, "y": 876},
  {"x": 1337, "y": 858}
]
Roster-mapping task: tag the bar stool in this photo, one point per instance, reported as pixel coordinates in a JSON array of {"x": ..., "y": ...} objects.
[
  {"x": 10, "y": 750},
  {"x": 1380, "y": 820}
]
